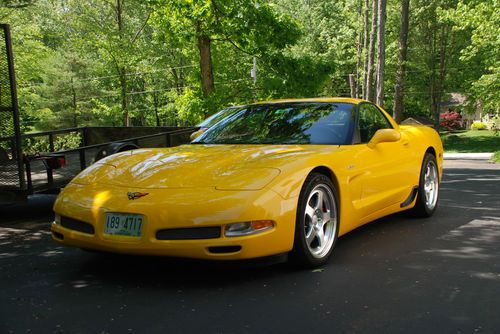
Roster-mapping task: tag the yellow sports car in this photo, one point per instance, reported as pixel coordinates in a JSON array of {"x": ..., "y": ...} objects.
[{"x": 273, "y": 177}]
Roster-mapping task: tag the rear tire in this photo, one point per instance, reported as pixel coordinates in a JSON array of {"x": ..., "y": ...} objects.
[
  {"x": 428, "y": 188},
  {"x": 317, "y": 222},
  {"x": 114, "y": 148}
]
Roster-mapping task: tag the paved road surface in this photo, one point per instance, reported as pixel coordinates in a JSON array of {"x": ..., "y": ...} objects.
[{"x": 399, "y": 274}]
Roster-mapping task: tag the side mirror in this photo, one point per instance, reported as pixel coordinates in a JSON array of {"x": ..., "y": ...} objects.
[
  {"x": 197, "y": 133},
  {"x": 384, "y": 136}
]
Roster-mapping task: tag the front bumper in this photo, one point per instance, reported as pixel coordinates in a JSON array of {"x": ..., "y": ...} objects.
[{"x": 178, "y": 208}]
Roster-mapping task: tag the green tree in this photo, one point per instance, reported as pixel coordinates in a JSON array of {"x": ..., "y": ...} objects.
[{"x": 481, "y": 56}]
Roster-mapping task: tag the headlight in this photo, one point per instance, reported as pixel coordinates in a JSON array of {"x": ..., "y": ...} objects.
[
  {"x": 57, "y": 219},
  {"x": 247, "y": 228}
]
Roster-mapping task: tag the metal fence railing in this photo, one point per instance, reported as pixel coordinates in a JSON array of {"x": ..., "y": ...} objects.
[
  {"x": 11, "y": 161},
  {"x": 41, "y": 147},
  {"x": 27, "y": 161}
]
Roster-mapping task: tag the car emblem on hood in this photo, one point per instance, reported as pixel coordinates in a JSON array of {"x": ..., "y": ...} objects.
[{"x": 135, "y": 195}]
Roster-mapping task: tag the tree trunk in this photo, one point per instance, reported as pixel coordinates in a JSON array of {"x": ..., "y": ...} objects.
[
  {"x": 122, "y": 70},
  {"x": 400, "y": 75},
  {"x": 156, "y": 102},
  {"x": 365, "y": 47},
  {"x": 439, "y": 83},
  {"x": 443, "y": 58},
  {"x": 204, "y": 46},
  {"x": 74, "y": 104},
  {"x": 352, "y": 85},
  {"x": 358, "y": 67},
  {"x": 381, "y": 52},
  {"x": 371, "y": 53},
  {"x": 176, "y": 81},
  {"x": 360, "y": 53},
  {"x": 123, "y": 96},
  {"x": 434, "y": 105},
  {"x": 119, "y": 17}
]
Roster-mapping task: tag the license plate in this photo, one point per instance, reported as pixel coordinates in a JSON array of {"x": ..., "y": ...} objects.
[{"x": 123, "y": 224}]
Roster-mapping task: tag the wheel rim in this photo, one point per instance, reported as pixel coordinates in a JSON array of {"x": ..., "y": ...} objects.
[
  {"x": 320, "y": 221},
  {"x": 431, "y": 185}
]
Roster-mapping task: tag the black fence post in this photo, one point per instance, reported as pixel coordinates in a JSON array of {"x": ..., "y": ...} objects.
[
  {"x": 169, "y": 140},
  {"x": 28, "y": 175},
  {"x": 85, "y": 134},
  {"x": 50, "y": 175},
  {"x": 83, "y": 163},
  {"x": 13, "y": 145},
  {"x": 51, "y": 142},
  {"x": 15, "y": 108}
]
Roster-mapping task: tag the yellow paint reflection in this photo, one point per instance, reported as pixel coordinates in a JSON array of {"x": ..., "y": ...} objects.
[{"x": 99, "y": 200}]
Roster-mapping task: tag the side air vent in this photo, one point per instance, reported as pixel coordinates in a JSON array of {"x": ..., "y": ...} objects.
[{"x": 410, "y": 198}]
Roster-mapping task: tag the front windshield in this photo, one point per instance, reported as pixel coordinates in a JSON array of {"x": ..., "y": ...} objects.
[
  {"x": 215, "y": 118},
  {"x": 284, "y": 123}
]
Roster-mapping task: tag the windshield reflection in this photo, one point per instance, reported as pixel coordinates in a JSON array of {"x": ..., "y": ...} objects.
[{"x": 284, "y": 123}]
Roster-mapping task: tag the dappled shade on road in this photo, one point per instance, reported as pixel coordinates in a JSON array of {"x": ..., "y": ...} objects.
[{"x": 398, "y": 274}]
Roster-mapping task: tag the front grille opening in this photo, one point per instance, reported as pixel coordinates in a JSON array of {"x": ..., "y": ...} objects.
[
  {"x": 58, "y": 235},
  {"x": 224, "y": 249},
  {"x": 189, "y": 233},
  {"x": 77, "y": 225}
]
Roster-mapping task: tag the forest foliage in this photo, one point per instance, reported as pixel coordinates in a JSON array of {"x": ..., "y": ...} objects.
[{"x": 174, "y": 62}]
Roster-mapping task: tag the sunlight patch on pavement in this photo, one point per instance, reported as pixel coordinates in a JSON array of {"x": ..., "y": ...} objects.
[
  {"x": 80, "y": 284},
  {"x": 489, "y": 276},
  {"x": 483, "y": 208},
  {"x": 461, "y": 253},
  {"x": 478, "y": 239},
  {"x": 51, "y": 253},
  {"x": 6, "y": 232},
  {"x": 8, "y": 255}
]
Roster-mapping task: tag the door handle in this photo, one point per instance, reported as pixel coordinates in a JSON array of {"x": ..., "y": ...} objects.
[{"x": 405, "y": 142}]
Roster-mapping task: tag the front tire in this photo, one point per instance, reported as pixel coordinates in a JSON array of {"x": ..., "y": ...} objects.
[
  {"x": 317, "y": 222},
  {"x": 428, "y": 188}
]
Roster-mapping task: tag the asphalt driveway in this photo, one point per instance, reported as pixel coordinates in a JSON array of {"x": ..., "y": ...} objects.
[{"x": 399, "y": 274}]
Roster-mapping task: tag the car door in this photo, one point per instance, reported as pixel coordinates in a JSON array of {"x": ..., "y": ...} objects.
[{"x": 385, "y": 169}]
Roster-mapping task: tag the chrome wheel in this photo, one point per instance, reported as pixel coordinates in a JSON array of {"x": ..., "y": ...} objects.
[
  {"x": 320, "y": 221},
  {"x": 428, "y": 188},
  {"x": 431, "y": 185}
]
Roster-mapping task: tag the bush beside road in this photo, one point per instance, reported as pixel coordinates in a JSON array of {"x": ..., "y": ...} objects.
[{"x": 496, "y": 157}]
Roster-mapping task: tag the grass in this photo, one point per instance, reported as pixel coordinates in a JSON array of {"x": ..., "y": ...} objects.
[{"x": 473, "y": 141}]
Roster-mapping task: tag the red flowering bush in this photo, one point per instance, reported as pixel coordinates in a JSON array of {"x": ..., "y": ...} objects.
[{"x": 450, "y": 120}]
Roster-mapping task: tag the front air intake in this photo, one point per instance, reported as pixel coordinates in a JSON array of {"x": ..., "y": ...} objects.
[
  {"x": 189, "y": 233},
  {"x": 77, "y": 225},
  {"x": 224, "y": 249}
]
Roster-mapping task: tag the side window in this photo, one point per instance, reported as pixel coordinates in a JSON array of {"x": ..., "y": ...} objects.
[{"x": 370, "y": 120}]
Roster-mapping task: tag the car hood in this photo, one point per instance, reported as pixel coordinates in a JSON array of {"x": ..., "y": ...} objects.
[{"x": 225, "y": 167}]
